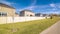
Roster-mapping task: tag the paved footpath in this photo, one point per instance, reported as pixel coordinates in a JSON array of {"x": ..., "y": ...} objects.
[{"x": 54, "y": 29}]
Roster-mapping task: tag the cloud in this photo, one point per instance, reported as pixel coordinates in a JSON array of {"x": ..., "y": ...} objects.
[
  {"x": 57, "y": 5},
  {"x": 34, "y": 2},
  {"x": 31, "y": 7},
  {"x": 52, "y": 12},
  {"x": 56, "y": 12},
  {"x": 52, "y": 5},
  {"x": 6, "y": 2}
]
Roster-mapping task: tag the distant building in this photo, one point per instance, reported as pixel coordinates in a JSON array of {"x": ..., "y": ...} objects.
[
  {"x": 39, "y": 15},
  {"x": 54, "y": 15},
  {"x": 16, "y": 14},
  {"x": 6, "y": 10},
  {"x": 27, "y": 13},
  {"x": 44, "y": 15}
]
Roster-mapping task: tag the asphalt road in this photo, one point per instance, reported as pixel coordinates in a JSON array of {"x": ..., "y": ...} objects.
[{"x": 54, "y": 29}]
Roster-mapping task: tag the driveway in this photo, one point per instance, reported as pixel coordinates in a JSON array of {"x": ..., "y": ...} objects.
[{"x": 54, "y": 29}]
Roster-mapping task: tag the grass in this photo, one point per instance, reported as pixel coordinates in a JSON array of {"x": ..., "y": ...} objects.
[{"x": 30, "y": 27}]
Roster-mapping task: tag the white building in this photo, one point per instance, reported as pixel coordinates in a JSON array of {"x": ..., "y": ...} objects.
[{"x": 27, "y": 13}]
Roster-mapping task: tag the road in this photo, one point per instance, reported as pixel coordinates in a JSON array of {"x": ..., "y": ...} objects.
[{"x": 54, "y": 29}]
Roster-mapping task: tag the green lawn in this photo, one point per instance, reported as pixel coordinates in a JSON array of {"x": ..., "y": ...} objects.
[{"x": 30, "y": 27}]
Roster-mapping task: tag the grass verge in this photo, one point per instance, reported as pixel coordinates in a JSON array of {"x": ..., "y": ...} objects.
[{"x": 30, "y": 27}]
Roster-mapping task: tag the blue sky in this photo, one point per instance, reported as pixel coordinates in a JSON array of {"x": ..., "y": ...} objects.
[{"x": 37, "y": 6}]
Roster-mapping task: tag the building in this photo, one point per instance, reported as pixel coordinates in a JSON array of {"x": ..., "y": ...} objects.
[
  {"x": 16, "y": 14},
  {"x": 6, "y": 10},
  {"x": 38, "y": 15},
  {"x": 41, "y": 15},
  {"x": 27, "y": 13}
]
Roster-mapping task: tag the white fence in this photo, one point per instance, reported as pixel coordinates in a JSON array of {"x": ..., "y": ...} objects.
[{"x": 18, "y": 19}]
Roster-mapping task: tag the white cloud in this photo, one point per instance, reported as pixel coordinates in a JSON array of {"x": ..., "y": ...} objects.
[
  {"x": 56, "y": 12},
  {"x": 58, "y": 5},
  {"x": 34, "y": 2},
  {"x": 6, "y": 2},
  {"x": 52, "y": 5},
  {"x": 52, "y": 12},
  {"x": 31, "y": 7}
]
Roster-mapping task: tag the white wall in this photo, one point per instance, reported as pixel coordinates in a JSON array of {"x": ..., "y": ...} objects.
[
  {"x": 18, "y": 19},
  {"x": 29, "y": 13}
]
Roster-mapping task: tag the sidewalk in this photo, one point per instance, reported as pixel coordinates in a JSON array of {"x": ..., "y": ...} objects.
[{"x": 54, "y": 29}]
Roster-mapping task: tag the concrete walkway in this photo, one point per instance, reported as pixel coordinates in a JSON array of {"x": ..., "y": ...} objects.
[{"x": 54, "y": 29}]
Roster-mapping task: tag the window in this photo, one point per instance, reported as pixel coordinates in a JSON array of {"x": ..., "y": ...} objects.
[
  {"x": 0, "y": 14},
  {"x": 31, "y": 15},
  {"x": 3, "y": 14}
]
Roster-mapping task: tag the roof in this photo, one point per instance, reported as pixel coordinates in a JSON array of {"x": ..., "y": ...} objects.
[
  {"x": 26, "y": 10},
  {"x": 38, "y": 13},
  {"x": 4, "y": 5}
]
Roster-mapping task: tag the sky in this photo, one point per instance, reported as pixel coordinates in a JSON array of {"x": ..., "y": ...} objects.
[{"x": 37, "y": 6}]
